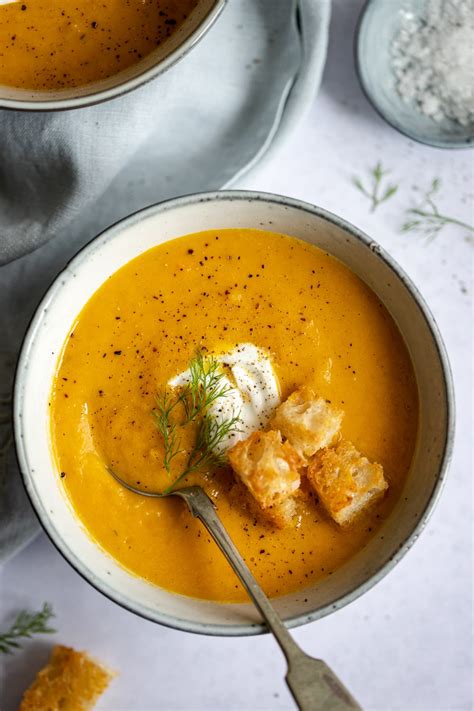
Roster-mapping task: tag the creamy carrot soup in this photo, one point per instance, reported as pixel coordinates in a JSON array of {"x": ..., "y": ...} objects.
[
  {"x": 319, "y": 325},
  {"x": 58, "y": 44}
]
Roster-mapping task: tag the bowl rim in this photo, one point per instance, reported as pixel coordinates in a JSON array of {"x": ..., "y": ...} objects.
[
  {"x": 81, "y": 257},
  {"x": 124, "y": 87},
  {"x": 397, "y": 125}
]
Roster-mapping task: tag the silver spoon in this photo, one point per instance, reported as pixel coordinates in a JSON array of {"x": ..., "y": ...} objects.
[{"x": 313, "y": 685}]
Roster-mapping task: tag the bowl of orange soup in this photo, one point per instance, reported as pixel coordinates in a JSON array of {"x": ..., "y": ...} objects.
[
  {"x": 287, "y": 302},
  {"x": 60, "y": 54}
]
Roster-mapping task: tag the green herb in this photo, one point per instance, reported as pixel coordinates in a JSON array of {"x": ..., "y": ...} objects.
[
  {"x": 26, "y": 625},
  {"x": 166, "y": 427},
  {"x": 204, "y": 388},
  {"x": 206, "y": 385},
  {"x": 204, "y": 455},
  {"x": 376, "y": 194},
  {"x": 426, "y": 218}
]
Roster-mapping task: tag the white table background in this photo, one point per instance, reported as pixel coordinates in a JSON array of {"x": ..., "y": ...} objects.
[{"x": 407, "y": 643}]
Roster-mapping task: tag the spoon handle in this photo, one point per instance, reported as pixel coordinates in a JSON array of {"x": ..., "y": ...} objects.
[{"x": 313, "y": 685}]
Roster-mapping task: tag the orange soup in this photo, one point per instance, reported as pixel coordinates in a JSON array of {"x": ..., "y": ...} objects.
[
  {"x": 210, "y": 291},
  {"x": 58, "y": 44}
]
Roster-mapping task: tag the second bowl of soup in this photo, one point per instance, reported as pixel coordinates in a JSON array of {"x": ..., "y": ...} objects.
[{"x": 60, "y": 55}]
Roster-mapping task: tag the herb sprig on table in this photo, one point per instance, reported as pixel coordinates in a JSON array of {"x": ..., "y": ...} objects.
[
  {"x": 375, "y": 192},
  {"x": 26, "y": 625},
  {"x": 206, "y": 385},
  {"x": 426, "y": 218}
]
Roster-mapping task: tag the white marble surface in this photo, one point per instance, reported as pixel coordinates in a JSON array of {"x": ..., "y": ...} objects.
[{"x": 406, "y": 644}]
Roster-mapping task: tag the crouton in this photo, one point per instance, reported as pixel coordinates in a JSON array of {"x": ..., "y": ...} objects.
[
  {"x": 71, "y": 681},
  {"x": 281, "y": 513},
  {"x": 345, "y": 481},
  {"x": 307, "y": 421},
  {"x": 269, "y": 468}
]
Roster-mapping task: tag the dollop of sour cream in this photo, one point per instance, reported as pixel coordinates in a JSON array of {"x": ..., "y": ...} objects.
[{"x": 253, "y": 391}]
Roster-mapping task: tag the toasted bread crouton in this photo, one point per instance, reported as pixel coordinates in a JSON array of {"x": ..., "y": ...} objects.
[
  {"x": 345, "y": 481},
  {"x": 269, "y": 468},
  {"x": 71, "y": 681},
  {"x": 281, "y": 513},
  {"x": 307, "y": 421}
]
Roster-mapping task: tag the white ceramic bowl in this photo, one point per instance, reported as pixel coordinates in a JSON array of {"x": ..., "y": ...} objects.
[
  {"x": 155, "y": 225},
  {"x": 171, "y": 51}
]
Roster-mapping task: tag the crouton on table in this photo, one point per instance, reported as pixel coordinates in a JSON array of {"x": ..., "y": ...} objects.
[
  {"x": 269, "y": 468},
  {"x": 345, "y": 481},
  {"x": 307, "y": 421},
  {"x": 71, "y": 681}
]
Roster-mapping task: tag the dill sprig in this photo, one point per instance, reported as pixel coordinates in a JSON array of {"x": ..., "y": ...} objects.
[
  {"x": 206, "y": 385},
  {"x": 374, "y": 192},
  {"x": 166, "y": 427},
  {"x": 204, "y": 454},
  {"x": 426, "y": 219},
  {"x": 212, "y": 433},
  {"x": 26, "y": 625}
]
